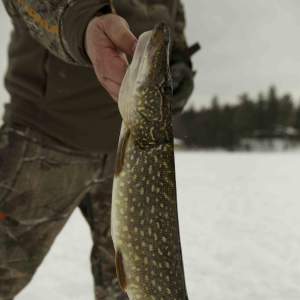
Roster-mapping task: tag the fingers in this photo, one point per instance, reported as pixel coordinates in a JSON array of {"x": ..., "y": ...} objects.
[
  {"x": 110, "y": 71},
  {"x": 108, "y": 39},
  {"x": 117, "y": 30}
]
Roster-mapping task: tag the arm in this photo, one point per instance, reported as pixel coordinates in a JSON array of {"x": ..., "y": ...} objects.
[
  {"x": 181, "y": 64},
  {"x": 59, "y": 25},
  {"x": 180, "y": 48},
  {"x": 83, "y": 32}
]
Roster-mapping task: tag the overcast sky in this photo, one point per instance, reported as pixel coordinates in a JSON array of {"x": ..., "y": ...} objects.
[{"x": 247, "y": 46}]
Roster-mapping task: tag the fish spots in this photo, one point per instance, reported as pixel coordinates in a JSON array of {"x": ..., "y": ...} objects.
[
  {"x": 148, "y": 207},
  {"x": 136, "y": 257},
  {"x": 150, "y": 169},
  {"x": 146, "y": 261},
  {"x": 152, "y": 209}
]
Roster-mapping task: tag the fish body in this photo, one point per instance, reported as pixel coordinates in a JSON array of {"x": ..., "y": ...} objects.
[{"x": 145, "y": 227}]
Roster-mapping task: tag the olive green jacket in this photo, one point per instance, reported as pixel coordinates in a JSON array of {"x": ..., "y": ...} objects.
[{"x": 50, "y": 80}]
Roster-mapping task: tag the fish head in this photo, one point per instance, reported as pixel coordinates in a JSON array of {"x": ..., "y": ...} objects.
[{"x": 146, "y": 90}]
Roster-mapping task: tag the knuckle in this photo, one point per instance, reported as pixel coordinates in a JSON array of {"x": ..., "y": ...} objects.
[{"x": 115, "y": 22}]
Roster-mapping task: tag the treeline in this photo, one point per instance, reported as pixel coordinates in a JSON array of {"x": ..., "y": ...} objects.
[{"x": 267, "y": 116}]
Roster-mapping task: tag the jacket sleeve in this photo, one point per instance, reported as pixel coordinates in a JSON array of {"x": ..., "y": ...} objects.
[
  {"x": 60, "y": 25},
  {"x": 180, "y": 47}
]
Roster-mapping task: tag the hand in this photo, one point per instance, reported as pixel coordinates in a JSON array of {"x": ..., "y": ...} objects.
[{"x": 107, "y": 40}]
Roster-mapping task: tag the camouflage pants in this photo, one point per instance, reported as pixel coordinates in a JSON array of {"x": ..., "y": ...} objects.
[{"x": 41, "y": 183}]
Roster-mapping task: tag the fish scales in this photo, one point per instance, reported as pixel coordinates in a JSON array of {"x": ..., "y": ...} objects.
[{"x": 145, "y": 227}]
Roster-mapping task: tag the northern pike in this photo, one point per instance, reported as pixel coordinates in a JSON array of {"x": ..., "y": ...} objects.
[{"x": 145, "y": 227}]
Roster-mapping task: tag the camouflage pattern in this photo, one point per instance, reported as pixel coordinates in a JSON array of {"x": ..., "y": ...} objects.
[
  {"x": 41, "y": 183},
  {"x": 44, "y": 19}
]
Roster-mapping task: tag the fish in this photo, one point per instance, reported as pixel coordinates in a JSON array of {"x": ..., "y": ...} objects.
[{"x": 144, "y": 215}]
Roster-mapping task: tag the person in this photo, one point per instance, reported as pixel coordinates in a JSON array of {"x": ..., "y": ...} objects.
[{"x": 67, "y": 59}]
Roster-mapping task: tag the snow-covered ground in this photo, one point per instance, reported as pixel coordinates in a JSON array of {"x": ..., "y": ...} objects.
[
  {"x": 240, "y": 229},
  {"x": 239, "y": 218}
]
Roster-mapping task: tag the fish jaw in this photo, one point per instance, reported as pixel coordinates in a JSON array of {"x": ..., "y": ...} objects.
[{"x": 144, "y": 99}]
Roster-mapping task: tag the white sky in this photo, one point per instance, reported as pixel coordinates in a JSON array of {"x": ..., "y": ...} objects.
[{"x": 247, "y": 46}]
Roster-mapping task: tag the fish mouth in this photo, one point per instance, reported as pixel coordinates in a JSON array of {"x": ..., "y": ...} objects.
[
  {"x": 148, "y": 68},
  {"x": 152, "y": 48}
]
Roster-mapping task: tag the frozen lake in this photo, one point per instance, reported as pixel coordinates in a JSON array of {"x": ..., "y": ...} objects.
[
  {"x": 239, "y": 213},
  {"x": 240, "y": 230}
]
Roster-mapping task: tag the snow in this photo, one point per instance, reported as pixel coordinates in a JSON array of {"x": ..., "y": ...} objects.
[{"x": 240, "y": 228}]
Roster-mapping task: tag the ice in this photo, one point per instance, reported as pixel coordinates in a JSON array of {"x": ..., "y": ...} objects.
[
  {"x": 239, "y": 217},
  {"x": 240, "y": 230}
]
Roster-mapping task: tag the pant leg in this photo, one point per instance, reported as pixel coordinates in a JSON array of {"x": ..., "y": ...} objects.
[
  {"x": 96, "y": 208},
  {"x": 39, "y": 189}
]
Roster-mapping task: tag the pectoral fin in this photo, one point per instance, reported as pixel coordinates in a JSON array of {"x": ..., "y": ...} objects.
[
  {"x": 124, "y": 136},
  {"x": 120, "y": 270}
]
